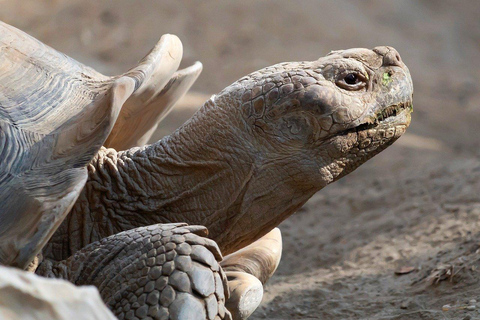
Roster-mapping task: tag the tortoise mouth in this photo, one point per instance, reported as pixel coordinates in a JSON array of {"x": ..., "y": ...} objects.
[{"x": 397, "y": 114}]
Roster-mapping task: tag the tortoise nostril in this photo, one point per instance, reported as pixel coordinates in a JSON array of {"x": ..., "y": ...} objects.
[{"x": 392, "y": 58}]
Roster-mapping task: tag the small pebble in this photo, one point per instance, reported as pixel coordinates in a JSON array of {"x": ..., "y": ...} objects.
[
  {"x": 472, "y": 301},
  {"x": 471, "y": 308},
  {"x": 446, "y": 307}
]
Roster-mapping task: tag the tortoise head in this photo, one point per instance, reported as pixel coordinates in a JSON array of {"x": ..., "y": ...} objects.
[{"x": 326, "y": 116}]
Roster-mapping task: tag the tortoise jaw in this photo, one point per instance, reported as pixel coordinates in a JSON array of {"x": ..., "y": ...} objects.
[
  {"x": 397, "y": 114},
  {"x": 390, "y": 113}
]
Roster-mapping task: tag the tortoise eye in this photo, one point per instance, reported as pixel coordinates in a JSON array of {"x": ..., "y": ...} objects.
[
  {"x": 351, "y": 78},
  {"x": 352, "y": 81}
]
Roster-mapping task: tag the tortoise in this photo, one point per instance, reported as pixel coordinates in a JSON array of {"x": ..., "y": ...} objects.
[{"x": 84, "y": 195}]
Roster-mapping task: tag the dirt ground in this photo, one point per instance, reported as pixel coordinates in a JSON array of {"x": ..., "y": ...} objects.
[{"x": 397, "y": 239}]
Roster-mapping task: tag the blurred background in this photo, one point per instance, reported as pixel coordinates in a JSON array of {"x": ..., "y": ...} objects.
[{"x": 341, "y": 248}]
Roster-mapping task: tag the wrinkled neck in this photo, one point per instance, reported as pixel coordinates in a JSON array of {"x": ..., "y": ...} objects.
[
  {"x": 206, "y": 173},
  {"x": 209, "y": 173},
  {"x": 191, "y": 174}
]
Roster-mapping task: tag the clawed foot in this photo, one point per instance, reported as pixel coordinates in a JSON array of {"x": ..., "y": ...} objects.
[{"x": 172, "y": 271}]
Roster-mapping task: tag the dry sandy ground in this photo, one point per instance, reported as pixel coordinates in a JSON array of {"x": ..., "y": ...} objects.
[{"x": 415, "y": 207}]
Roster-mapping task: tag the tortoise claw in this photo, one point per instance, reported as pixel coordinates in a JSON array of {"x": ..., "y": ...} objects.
[{"x": 246, "y": 293}]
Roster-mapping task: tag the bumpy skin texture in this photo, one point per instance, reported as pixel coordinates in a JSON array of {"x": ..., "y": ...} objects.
[
  {"x": 250, "y": 157},
  {"x": 166, "y": 271}
]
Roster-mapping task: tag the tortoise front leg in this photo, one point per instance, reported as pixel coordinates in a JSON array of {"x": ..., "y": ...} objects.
[
  {"x": 163, "y": 271},
  {"x": 168, "y": 271}
]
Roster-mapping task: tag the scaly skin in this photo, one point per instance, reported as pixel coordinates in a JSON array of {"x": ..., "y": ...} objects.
[
  {"x": 159, "y": 271},
  {"x": 251, "y": 156}
]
